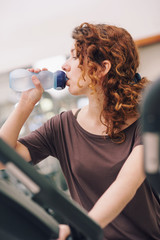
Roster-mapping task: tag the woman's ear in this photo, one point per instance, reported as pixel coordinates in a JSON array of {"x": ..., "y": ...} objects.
[{"x": 106, "y": 65}]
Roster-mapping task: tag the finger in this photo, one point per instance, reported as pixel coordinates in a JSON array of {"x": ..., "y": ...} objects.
[
  {"x": 64, "y": 231},
  {"x": 37, "y": 83},
  {"x": 37, "y": 70},
  {"x": 69, "y": 238},
  {"x": 30, "y": 69},
  {"x": 44, "y": 69}
]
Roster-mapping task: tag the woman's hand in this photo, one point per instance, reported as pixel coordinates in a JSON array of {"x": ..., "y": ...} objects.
[
  {"x": 10, "y": 130},
  {"x": 64, "y": 232},
  {"x": 32, "y": 96}
]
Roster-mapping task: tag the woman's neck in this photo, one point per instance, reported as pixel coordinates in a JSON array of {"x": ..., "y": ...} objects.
[{"x": 95, "y": 107}]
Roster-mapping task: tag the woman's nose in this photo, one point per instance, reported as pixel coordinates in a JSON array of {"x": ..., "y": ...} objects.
[{"x": 66, "y": 67}]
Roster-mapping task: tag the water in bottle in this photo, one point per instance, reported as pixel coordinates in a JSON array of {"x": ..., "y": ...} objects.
[{"x": 21, "y": 80}]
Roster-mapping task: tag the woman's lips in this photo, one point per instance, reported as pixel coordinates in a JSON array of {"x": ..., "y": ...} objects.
[{"x": 67, "y": 83}]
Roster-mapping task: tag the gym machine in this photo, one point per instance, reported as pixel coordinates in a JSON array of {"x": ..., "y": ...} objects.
[
  {"x": 37, "y": 217},
  {"x": 151, "y": 134}
]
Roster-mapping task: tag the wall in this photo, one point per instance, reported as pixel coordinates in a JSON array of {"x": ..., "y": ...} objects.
[
  {"x": 150, "y": 61},
  {"x": 36, "y": 29}
]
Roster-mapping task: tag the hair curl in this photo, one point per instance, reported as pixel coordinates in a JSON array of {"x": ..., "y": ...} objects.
[{"x": 122, "y": 95}]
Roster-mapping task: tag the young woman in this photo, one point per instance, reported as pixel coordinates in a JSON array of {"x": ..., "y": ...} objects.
[{"x": 99, "y": 146}]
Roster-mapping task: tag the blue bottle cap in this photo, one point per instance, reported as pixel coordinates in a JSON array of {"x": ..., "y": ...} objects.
[{"x": 61, "y": 79}]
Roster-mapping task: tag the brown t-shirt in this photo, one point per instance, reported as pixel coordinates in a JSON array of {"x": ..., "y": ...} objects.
[{"x": 90, "y": 164}]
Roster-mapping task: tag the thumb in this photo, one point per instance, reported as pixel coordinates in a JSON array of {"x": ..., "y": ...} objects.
[{"x": 37, "y": 83}]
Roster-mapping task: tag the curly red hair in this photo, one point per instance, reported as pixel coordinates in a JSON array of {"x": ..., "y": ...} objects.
[{"x": 101, "y": 42}]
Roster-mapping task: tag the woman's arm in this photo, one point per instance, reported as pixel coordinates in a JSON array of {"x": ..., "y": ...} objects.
[
  {"x": 122, "y": 190},
  {"x": 119, "y": 194},
  {"x": 9, "y": 132},
  {"x": 11, "y": 128}
]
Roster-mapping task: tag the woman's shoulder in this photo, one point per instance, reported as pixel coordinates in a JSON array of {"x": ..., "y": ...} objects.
[
  {"x": 129, "y": 122},
  {"x": 69, "y": 114},
  {"x": 74, "y": 110}
]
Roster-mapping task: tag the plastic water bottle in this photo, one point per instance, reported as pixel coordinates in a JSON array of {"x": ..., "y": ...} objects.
[{"x": 21, "y": 80}]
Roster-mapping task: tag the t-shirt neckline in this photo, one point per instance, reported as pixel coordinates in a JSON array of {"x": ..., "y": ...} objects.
[{"x": 92, "y": 134}]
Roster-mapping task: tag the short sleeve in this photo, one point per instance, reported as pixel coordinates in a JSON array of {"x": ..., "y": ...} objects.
[
  {"x": 41, "y": 142},
  {"x": 138, "y": 134}
]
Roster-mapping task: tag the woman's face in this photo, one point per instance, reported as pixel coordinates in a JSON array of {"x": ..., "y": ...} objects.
[{"x": 74, "y": 75}]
